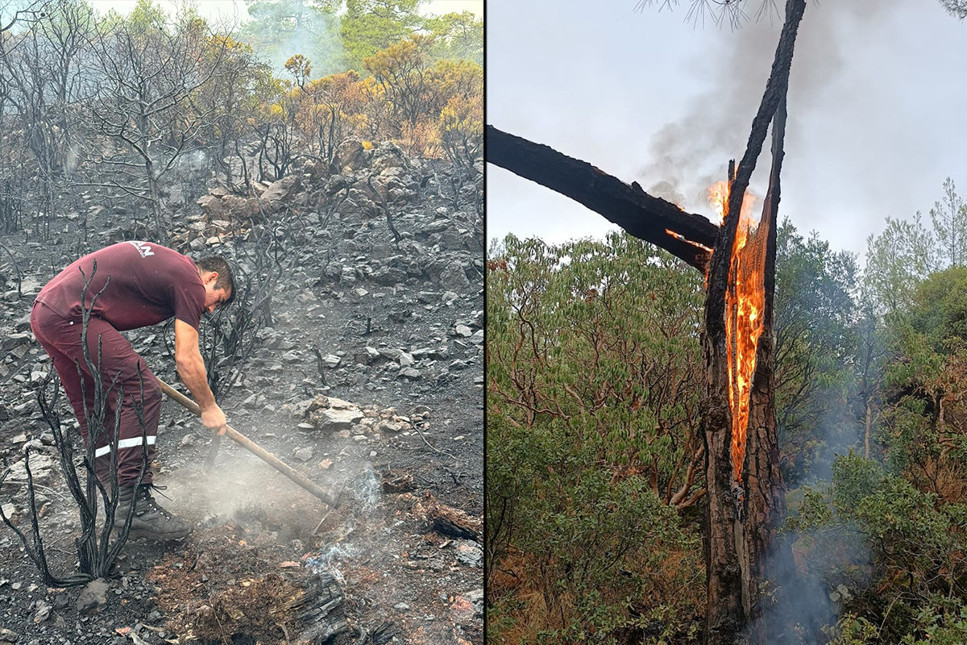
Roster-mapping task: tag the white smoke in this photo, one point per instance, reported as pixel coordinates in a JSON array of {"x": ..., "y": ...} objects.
[{"x": 692, "y": 152}]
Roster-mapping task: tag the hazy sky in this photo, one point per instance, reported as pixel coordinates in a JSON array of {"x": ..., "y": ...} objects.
[{"x": 877, "y": 108}]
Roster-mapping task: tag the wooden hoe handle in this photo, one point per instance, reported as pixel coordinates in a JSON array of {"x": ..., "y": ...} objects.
[{"x": 255, "y": 449}]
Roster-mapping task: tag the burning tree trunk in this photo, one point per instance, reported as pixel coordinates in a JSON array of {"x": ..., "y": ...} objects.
[
  {"x": 742, "y": 473},
  {"x": 744, "y": 499}
]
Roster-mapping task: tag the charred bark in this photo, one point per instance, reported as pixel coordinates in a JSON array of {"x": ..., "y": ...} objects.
[
  {"x": 642, "y": 215},
  {"x": 744, "y": 513},
  {"x": 322, "y": 609}
]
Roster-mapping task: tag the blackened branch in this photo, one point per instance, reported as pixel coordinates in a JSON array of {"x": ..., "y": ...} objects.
[{"x": 642, "y": 215}]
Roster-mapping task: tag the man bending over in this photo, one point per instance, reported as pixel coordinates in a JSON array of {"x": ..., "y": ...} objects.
[{"x": 146, "y": 284}]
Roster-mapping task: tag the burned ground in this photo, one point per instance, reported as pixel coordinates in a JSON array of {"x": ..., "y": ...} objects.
[{"x": 367, "y": 379}]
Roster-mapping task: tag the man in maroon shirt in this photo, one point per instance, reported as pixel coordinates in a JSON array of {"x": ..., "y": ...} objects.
[{"x": 131, "y": 285}]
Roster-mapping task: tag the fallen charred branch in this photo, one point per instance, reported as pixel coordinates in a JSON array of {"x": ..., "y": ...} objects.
[
  {"x": 685, "y": 235},
  {"x": 397, "y": 482},
  {"x": 449, "y": 521}
]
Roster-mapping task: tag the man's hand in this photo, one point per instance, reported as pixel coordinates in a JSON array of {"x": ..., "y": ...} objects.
[{"x": 214, "y": 419}]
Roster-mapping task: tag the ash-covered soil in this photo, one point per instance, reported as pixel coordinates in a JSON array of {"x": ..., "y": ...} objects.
[{"x": 368, "y": 380}]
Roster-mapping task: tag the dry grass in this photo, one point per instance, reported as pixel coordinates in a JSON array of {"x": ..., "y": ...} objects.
[
  {"x": 945, "y": 475},
  {"x": 525, "y": 600}
]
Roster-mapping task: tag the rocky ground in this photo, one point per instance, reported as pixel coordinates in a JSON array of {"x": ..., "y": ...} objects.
[{"x": 367, "y": 379}]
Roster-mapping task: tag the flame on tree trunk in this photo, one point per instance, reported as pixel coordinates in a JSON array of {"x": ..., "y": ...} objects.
[
  {"x": 744, "y": 312},
  {"x": 744, "y": 497},
  {"x": 745, "y": 502}
]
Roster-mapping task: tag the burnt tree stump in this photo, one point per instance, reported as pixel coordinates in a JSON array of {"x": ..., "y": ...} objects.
[{"x": 321, "y": 608}]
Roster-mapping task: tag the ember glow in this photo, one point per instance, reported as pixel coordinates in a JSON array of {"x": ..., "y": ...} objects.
[
  {"x": 744, "y": 307},
  {"x": 682, "y": 238}
]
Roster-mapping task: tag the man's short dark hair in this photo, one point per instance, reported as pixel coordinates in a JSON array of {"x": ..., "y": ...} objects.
[{"x": 226, "y": 279}]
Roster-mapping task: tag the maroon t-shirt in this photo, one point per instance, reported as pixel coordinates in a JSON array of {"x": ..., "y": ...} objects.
[{"x": 148, "y": 284}]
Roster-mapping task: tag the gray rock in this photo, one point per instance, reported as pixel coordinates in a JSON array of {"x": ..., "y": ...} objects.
[
  {"x": 334, "y": 419},
  {"x": 477, "y": 598},
  {"x": 367, "y": 356},
  {"x": 469, "y": 553},
  {"x": 14, "y": 340},
  {"x": 388, "y": 276},
  {"x": 93, "y": 597},
  {"x": 350, "y": 156},
  {"x": 40, "y": 469},
  {"x": 280, "y": 192},
  {"x": 453, "y": 278},
  {"x": 42, "y": 612},
  {"x": 453, "y": 240}
]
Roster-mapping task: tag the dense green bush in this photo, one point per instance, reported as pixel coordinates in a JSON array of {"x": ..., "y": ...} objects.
[{"x": 591, "y": 437}]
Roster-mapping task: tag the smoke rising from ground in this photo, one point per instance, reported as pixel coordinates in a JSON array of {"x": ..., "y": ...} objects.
[{"x": 240, "y": 480}]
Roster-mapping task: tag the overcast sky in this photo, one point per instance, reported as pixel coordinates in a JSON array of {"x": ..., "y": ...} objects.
[{"x": 877, "y": 108}]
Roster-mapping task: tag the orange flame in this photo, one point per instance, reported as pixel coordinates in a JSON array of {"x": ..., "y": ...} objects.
[
  {"x": 744, "y": 307},
  {"x": 718, "y": 199}
]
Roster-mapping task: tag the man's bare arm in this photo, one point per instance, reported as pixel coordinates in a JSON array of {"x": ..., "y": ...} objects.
[{"x": 191, "y": 369}]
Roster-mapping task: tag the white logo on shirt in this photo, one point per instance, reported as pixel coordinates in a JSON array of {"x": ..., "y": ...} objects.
[{"x": 143, "y": 249}]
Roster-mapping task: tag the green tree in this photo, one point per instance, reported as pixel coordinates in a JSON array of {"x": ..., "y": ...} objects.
[
  {"x": 594, "y": 369},
  {"x": 949, "y": 218},
  {"x": 896, "y": 260},
  {"x": 370, "y": 26},
  {"x": 815, "y": 340},
  {"x": 458, "y": 36},
  {"x": 280, "y": 29},
  {"x": 926, "y": 420},
  {"x": 916, "y": 545}
]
